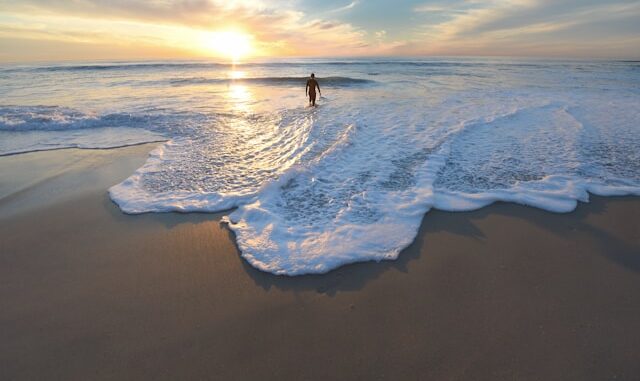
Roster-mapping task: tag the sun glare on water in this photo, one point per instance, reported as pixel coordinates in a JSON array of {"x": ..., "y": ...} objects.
[{"x": 230, "y": 44}]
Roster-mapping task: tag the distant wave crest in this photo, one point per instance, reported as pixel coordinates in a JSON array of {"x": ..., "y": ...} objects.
[
  {"x": 53, "y": 118},
  {"x": 275, "y": 81},
  {"x": 204, "y": 65}
]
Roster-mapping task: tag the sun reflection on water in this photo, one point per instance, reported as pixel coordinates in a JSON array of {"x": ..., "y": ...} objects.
[
  {"x": 237, "y": 74},
  {"x": 240, "y": 97}
]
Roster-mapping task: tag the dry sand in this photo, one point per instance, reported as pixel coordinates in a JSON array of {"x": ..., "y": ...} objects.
[{"x": 503, "y": 293}]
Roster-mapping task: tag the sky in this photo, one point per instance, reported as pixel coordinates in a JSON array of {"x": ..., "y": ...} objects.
[{"x": 245, "y": 29}]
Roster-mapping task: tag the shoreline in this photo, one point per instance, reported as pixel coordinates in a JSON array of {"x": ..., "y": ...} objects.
[
  {"x": 81, "y": 148},
  {"x": 503, "y": 292}
]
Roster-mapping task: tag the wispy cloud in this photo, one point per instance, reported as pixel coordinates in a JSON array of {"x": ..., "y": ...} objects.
[
  {"x": 451, "y": 7},
  {"x": 345, "y": 8},
  {"x": 526, "y": 27}
]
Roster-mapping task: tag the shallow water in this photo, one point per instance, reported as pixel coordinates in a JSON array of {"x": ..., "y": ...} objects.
[{"x": 350, "y": 180}]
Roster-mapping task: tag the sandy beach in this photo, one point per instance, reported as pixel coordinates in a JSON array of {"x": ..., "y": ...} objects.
[{"x": 503, "y": 293}]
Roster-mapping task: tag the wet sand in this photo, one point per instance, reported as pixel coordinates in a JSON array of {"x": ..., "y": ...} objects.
[{"x": 507, "y": 292}]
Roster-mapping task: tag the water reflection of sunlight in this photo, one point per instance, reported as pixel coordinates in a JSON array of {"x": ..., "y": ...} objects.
[
  {"x": 241, "y": 96},
  {"x": 239, "y": 99},
  {"x": 237, "y": 74}
]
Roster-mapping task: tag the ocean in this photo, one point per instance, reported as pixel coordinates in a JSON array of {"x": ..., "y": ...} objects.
[{"x": 309, "y": 189}]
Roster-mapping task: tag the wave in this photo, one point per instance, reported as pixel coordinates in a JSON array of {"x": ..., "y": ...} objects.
[
  {"x": 132, "y": 66},
  {"x": 119, "y": 66},
  {"x": 52, "y": 118},
  {"x": 58, "y": 118},
  {"x": 273, "y": 81},
  {"x": 13, "y": 143},
  {"x": 218, "y": 65}
]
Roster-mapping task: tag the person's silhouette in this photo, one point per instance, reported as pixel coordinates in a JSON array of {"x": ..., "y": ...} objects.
[{"x": 311, "y": 89}]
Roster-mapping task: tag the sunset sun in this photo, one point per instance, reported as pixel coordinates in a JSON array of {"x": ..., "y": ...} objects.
[{"x": 229, "y": 44}]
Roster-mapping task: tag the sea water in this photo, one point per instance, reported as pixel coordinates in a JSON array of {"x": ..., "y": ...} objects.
[{"x": 310, "y": 189}]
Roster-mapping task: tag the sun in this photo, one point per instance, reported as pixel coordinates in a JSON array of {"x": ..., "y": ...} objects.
[{"x": 231, "y": 44}]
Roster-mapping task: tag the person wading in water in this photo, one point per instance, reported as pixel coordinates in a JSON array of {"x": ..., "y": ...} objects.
[{"x": 311, "y": 89}]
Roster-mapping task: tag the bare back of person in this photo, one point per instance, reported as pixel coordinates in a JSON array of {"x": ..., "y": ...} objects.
[{"x": 311, "y": 89}]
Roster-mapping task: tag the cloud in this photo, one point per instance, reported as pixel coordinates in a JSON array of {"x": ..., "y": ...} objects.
[
  {"x": 525, "y": 27},
  {"x": 442, "y": 27},
  {"x": 275, "y": 31},
  {"x": 450, "y": 7},
  {"x": 345, "y": 8}
]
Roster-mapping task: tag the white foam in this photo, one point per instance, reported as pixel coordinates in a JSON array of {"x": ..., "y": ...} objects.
[
  {"x": 530, "y": 155},
  {"x": 133, "y": 198}
]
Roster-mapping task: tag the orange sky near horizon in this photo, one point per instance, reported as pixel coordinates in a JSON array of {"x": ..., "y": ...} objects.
[{"x": 246, "y": 29}]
